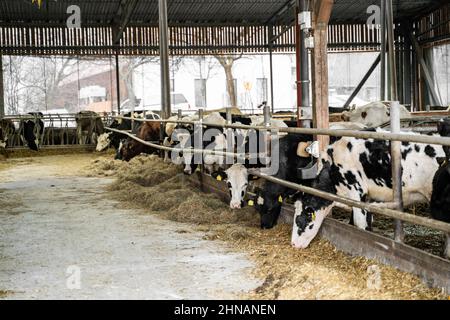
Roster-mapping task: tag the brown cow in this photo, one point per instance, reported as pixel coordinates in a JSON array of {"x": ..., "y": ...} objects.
[{"x": 148, "y": 131}]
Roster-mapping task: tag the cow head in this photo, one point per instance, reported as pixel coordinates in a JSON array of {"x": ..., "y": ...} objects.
[
  {"x": 127, "y": 150},
  {"x": 237, "y": 181},
  {"x": 310, "y": 211},
  {"x": 103, "y": 142}
]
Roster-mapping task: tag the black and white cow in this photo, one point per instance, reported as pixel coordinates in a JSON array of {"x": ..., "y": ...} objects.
[
  {"x": 33, "y": 130},
  {"x": 212, "y": 139},
  {"x": 373, "y": 114},
  {"x": 440, "y": 199},
  {"x": 361, "y": 170},
  {"x": 7, "y": 129},
  {"x": 269, "y": 200},
  {"x": 114, "y": 139}
]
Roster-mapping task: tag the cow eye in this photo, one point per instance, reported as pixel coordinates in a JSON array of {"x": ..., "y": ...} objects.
[
  {"x": 364, "y": 115},
  {"x": 229, "y": 185},
  {"x": 243, "y": 193}
]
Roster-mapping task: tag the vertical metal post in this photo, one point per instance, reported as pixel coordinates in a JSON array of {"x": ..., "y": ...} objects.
[
  {"x": 447, "y": 246},
  {"x": 392, "y": 64},
  {"x": 180, "y": 114},
  {"x": 164, "y": 57},
  {"x": 304, "y": 63},
  {"x": 198, "y": 139},
  {"x": 383, "y": 51},
  {"x": 397, "y": 173},
  {"x": 267, "y": 116},
  {"x": 229, "y": 116},
  {"x": 271, "y": 80},
  {"x": 2, "y": 93},
  {"x": 407, "y": 88},
  {"x": 271, "y": 67},
  {"x": 266, "y": 136},
  {"x": 230, "y": 138},
  {"x": 118, "y": 82},
  {"x": 298, "y": 58}
]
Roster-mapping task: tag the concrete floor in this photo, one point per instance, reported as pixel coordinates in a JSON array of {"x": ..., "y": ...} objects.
[{"x": 60, "y": 238}]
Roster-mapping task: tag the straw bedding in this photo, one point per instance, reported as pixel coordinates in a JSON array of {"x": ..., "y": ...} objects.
[{"x": 319, "y": 272}]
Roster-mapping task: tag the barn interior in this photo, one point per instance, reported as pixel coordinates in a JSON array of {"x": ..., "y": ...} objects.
[{"x": 402, "y": 32}]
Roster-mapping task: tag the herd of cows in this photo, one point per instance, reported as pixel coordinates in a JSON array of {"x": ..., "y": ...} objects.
[
  {"x": 30, "y": 130},
  {"x": 353, "y": 168}
]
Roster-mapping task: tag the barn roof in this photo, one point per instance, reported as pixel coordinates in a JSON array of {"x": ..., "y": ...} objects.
[
  {"x": 197, "y": 26},
  {"x": 192, "y": 12}
]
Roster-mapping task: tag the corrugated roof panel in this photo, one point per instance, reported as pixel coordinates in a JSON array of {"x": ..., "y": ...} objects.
[{"x": 193, "y": 11}]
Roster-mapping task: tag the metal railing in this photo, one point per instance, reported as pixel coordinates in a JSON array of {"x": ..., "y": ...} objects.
[
  {"x": 381, "y": 209},
  {"x": 60, "y": 130}
]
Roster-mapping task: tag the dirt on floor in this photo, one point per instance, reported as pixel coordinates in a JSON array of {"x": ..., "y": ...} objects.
[
  {"x": 319, "y": 272},
  {"x": 54, "y": 221}
]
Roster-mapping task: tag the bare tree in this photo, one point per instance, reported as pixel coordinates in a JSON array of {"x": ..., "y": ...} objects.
[
  {"x": 12, "y": 70},
  {"x": 129, "y": 65},
  {"x": 227, "y": 63}
]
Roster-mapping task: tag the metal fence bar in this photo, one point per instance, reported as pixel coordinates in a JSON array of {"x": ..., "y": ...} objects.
[
  {"x": 397, "y": 171},
  {"x": 406, "y": 217},
  {"x": 377, "y": 209},
  {"x": 402, "y": 137}
]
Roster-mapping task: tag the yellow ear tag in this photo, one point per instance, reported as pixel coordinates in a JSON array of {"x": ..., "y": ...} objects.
[
  {"x": 280, "y": 199},
  {"x": 314, "y": 216},
  {"x": 251, "y": 203},
  {"x": 219, "y": 178}
]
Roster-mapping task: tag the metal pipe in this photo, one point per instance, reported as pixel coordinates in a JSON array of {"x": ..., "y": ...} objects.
[
  {"x": 383, "y": 51},
  {"x": 118, "y": 82},
  {"x": 407, "y": 68},
  {"x": 271, "y": 69},
  {"x": 447, "y": 246},
  {"x": 2, "y": 92},
  {"x": 266, "y": 116},
  {"x": 180, "y": 114},
  {"x": 363, "y": 81},
  {"x": 392, "y": 64},
  {"x": 397, "y": 171},
  {"x": 407, "y": 217},
  {"x": 229, "y": 116},
  {"x": 164, "y": 57},
  {"x": 403, "y": 137},
  {"x": 304, "y": 62}
]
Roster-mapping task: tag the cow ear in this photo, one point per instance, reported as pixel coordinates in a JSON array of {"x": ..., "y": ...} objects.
[{"x": 219, "y": 175}]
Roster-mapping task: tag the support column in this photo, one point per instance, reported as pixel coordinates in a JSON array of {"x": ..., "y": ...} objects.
[
  {"x": 164, "y": 57},
  {"x": 407, "y": 74},
  {"x": 392, "y": 65},
  {"x": 303, "y": 81},
  {"x": 2, "y": 92},
  {"x": 383, "y": 51},
  {"x": 321, "y": 118},
  {"x": 272, "y": 99},
  {"x": 118, "y": 82},
  {"x": 298, "y": 57}
]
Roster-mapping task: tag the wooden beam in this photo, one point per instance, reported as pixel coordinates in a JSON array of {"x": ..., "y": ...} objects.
[
  {"x": 323, "y": 9},
  {"x": 320, "y": 68}
]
